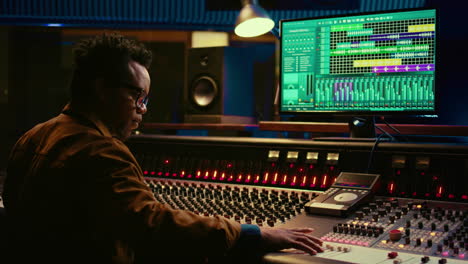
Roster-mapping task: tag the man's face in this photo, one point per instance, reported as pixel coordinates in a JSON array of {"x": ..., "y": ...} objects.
[{"x": 126, "y": 104}]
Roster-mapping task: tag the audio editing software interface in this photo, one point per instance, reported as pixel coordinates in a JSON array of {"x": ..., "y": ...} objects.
[{"x": 378, "y": 62}]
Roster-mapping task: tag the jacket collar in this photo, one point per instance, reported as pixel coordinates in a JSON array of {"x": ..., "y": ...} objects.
[{"x": 87, "y": 119}]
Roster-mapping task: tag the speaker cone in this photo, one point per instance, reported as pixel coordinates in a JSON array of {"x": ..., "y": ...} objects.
[{"x": 204, "y": 91}]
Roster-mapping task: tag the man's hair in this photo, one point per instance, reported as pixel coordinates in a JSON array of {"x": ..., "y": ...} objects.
[{"x": 104, "y": 57}]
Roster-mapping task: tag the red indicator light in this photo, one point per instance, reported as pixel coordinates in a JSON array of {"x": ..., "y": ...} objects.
[
  {"x": 275, "y": 178},
  {"x": 438, "y": 195},
  {"x": 427, "y": 194},
  {"x": 174, "y": 174},
  {"x": 257, "y": 178},
  {"x": 293, "y": 181},
  {"x": 435, "y": 178},
  {"x": 207, "y": 174},
  {"x": 451, "y": 196},
  {"x": 332, "y": 167},
  {"x": 198, "y": 174},
  {"x": 303, "y": 181},
  {"x": 239, "y": 178},
  {"x": 291, "y": 165},
  {"x": 215, "y": 173},
  {"x": 160, "y": 173},
  {"x": 423, "y": 173},
  {"x": 273, "y": 164},
  {"x": 415, "y": 193},
  {"x": 248, "y": 178},
  {"x": 398, "y": 172},
  {"x": 230, "y": 178},
  {"x": 182, "y": 174},
  {"x": 311, "y": 166},
  {"x": 285, "y": 177},
  {"x": 152, "y": 173},
  {"x": 223, "y": 175},
  {"x": 314, "y": 181},
  {"x": 464, "y": 197},
  {"x": 166, "y": 161},
  {"x": 229, "y": 165},
  {"x": 301, "y": 169},
  {"x": 265, "y": 178},
  {"x": 145, "y": 172},
  {"x": 324, "y": 180},
  {"x": 189, "y": 176},
  {"x": 167, "y": 174}
]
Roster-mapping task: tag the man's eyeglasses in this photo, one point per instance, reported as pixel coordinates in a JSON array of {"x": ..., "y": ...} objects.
[{"x": 141, "y": 98}]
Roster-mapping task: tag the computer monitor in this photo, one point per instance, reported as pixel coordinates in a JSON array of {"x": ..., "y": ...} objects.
[{"x": 373, "y": 64}]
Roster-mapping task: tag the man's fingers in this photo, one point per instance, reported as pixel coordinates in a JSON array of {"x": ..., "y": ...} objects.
[
  {"x": 311, "y": 242},
  {"x": 303, "y": 229},
  {"x": 304, "y": 247}
]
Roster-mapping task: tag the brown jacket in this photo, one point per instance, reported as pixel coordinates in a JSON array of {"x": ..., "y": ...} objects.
[{"x": 75, "y": 193}]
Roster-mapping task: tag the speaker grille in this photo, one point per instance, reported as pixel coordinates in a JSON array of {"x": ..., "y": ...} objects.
[{"x": 204, "y": 91}]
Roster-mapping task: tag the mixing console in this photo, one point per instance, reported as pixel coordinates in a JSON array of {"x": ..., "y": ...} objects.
[{"x": 419, "y": 214}]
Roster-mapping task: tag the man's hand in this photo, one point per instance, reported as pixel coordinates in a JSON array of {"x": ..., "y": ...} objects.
[{"x": 274, "y": 239}]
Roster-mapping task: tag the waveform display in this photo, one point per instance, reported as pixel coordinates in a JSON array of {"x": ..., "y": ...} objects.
[{"x": 389, "y": 93}]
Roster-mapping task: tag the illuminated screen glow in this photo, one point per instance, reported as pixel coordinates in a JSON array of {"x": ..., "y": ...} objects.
[{"x": 381, "y": 62}]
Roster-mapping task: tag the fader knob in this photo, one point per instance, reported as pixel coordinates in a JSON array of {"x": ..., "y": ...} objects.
[
  {"x": 360, "y": 214},
  {"x": 429, "y": 243}
]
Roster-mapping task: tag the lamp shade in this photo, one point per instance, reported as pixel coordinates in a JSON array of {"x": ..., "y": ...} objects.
[{"x": 253, "y": 21}]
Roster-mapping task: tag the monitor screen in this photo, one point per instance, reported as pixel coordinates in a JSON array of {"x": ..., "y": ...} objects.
[{"x": 380, "y": 63}]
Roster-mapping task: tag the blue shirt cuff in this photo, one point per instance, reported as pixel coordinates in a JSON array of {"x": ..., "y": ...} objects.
[{"x": 249, "y": 237}]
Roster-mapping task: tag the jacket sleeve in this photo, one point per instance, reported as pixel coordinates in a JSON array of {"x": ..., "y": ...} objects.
[{"x": 149, "y": 226}]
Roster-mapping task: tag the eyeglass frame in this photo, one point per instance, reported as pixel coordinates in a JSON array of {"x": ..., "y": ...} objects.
[{"x": 140, "y": 92}]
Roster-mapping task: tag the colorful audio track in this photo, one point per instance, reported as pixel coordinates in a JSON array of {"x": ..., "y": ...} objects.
[
  {"x": 362, "y": 63},
  {"x": 388, "y": 93}
]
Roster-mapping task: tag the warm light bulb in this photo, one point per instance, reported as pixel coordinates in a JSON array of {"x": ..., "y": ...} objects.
[{"x": 254, "y": 27}]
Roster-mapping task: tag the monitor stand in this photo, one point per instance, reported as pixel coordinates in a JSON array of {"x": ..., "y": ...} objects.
[{"x": 361, "y": 129}]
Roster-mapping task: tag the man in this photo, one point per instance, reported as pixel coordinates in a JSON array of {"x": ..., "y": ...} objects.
[{"x": 75, "y": 193}]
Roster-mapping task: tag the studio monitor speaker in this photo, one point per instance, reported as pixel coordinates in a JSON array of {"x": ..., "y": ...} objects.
[{"x": 219, "y": 85}]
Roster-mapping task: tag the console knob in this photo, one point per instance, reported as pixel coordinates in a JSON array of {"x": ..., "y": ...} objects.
[
  {"x": 407, "y": 240},
  {"x": 425, "y": 259},
  {"x": 395, "y": 235},
  {"x": 429, "y": 243},
  {"x": 359, "y": 215},
  {"x": 382, "y": 212}
]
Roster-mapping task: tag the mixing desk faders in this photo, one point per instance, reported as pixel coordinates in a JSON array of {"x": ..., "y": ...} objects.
[{"x": 415, "y": 212}]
